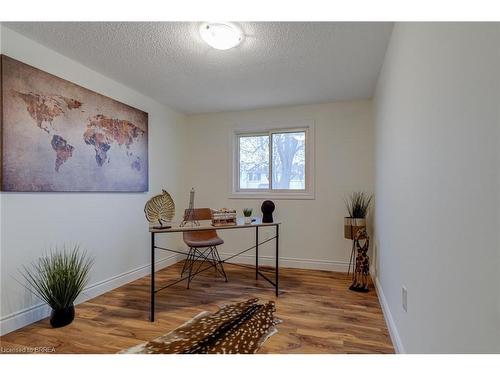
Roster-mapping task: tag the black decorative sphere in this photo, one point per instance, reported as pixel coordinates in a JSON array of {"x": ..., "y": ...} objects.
[{"x": 267, "y": 211}]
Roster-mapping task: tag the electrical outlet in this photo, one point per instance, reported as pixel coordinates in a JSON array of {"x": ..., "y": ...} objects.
[{"x": 404, "y": 298}]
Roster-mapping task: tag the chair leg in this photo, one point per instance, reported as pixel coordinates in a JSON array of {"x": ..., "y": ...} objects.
[
  {"x": 190, "y": 271},
  {"x": 190, "y": 265},
  {"x": 213, "y": 260},
  {"x": 198, "y": 256},
  {"x": 210, "y": 254},
  {"x": 219, "y": 262},
  {"x": 186, "y": 261}
]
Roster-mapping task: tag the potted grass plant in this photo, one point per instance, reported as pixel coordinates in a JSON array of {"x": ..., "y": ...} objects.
[
  {"x": 58, "y": 278},
  {"x": 247, "y": 212},
  {"x": 358, "y": 205}
]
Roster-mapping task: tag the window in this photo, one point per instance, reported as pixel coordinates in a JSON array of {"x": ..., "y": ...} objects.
[{"x": 275, "y": 163}]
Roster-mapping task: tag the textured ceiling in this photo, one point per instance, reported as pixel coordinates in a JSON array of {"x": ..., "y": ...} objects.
[{"x": 277, "y": 64}]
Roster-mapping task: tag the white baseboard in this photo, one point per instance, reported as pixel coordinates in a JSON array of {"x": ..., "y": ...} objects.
[
  {"x": 313, "y": 264},
  {"x": 40, "y": 311},
  {"x": 391, "y": 325}
]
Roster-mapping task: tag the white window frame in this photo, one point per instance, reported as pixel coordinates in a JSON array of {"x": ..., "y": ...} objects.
[{"x": 307, "y": 193}]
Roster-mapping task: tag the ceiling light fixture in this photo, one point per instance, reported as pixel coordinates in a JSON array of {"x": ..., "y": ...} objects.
[{"x": 221, "y": 35}]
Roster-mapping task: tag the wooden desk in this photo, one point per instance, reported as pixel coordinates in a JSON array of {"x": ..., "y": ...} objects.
[{"x": 206, "y": 225}]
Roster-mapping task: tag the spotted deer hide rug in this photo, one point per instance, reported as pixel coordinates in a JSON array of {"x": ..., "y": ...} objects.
[{"x": 237, "y": 328}]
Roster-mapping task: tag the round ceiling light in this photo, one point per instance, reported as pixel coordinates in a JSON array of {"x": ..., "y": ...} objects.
[{"x": 221, "y": 35}]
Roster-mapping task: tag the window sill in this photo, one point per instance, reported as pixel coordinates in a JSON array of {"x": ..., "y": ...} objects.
[{"x": 271, "y": 195}]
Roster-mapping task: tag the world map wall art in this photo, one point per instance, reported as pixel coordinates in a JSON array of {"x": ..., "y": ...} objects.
[{"x": 58, "y": 136}]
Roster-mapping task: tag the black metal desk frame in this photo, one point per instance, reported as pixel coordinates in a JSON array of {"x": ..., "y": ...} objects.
[{"x": 154, "y": 247}]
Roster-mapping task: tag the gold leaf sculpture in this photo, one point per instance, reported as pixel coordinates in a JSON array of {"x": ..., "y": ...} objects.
[{"x": 160, "y": 208}]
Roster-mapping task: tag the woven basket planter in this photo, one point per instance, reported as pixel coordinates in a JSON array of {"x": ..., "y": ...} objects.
[{"x": 351, "y": 227}]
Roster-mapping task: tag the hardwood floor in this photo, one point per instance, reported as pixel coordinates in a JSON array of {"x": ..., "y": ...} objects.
[{"x": 319, "y": 313}]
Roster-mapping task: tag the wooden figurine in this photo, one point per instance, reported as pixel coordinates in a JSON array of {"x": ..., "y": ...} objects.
[{"x": 360, "y": 279}]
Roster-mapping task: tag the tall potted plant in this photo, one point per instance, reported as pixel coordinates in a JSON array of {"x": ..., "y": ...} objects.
[
  {"x": 58, "y": 278},
  {"x": 358, "y": 205}
]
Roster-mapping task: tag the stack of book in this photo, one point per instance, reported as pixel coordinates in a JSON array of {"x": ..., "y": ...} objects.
[{"x": 223, "y": 217}]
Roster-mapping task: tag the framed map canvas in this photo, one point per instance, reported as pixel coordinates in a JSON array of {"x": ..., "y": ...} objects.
[{"x": 58, "y": 136}]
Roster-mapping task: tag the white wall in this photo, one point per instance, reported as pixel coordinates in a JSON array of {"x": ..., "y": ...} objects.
[
  {"x": 110, "y": 226},
  {"x": 437, "y": 220},
  {"x": 312, "y": 230}
]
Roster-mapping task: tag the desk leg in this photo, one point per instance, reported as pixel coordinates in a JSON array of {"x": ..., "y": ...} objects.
[
  {"x": 152, "y": 313},
  {"x": 277, "y": 254},
  {"x": 256, "y": 253}
]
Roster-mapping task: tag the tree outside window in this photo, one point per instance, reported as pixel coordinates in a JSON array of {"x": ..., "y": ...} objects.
[{"x": 280, "y": 154}]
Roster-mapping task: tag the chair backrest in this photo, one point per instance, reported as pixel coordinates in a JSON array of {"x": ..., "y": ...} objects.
[{"x": 199, "y": 214}]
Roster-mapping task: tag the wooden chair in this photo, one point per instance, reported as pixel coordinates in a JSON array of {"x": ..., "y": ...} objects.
[{"x": 202, "y": 246}]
